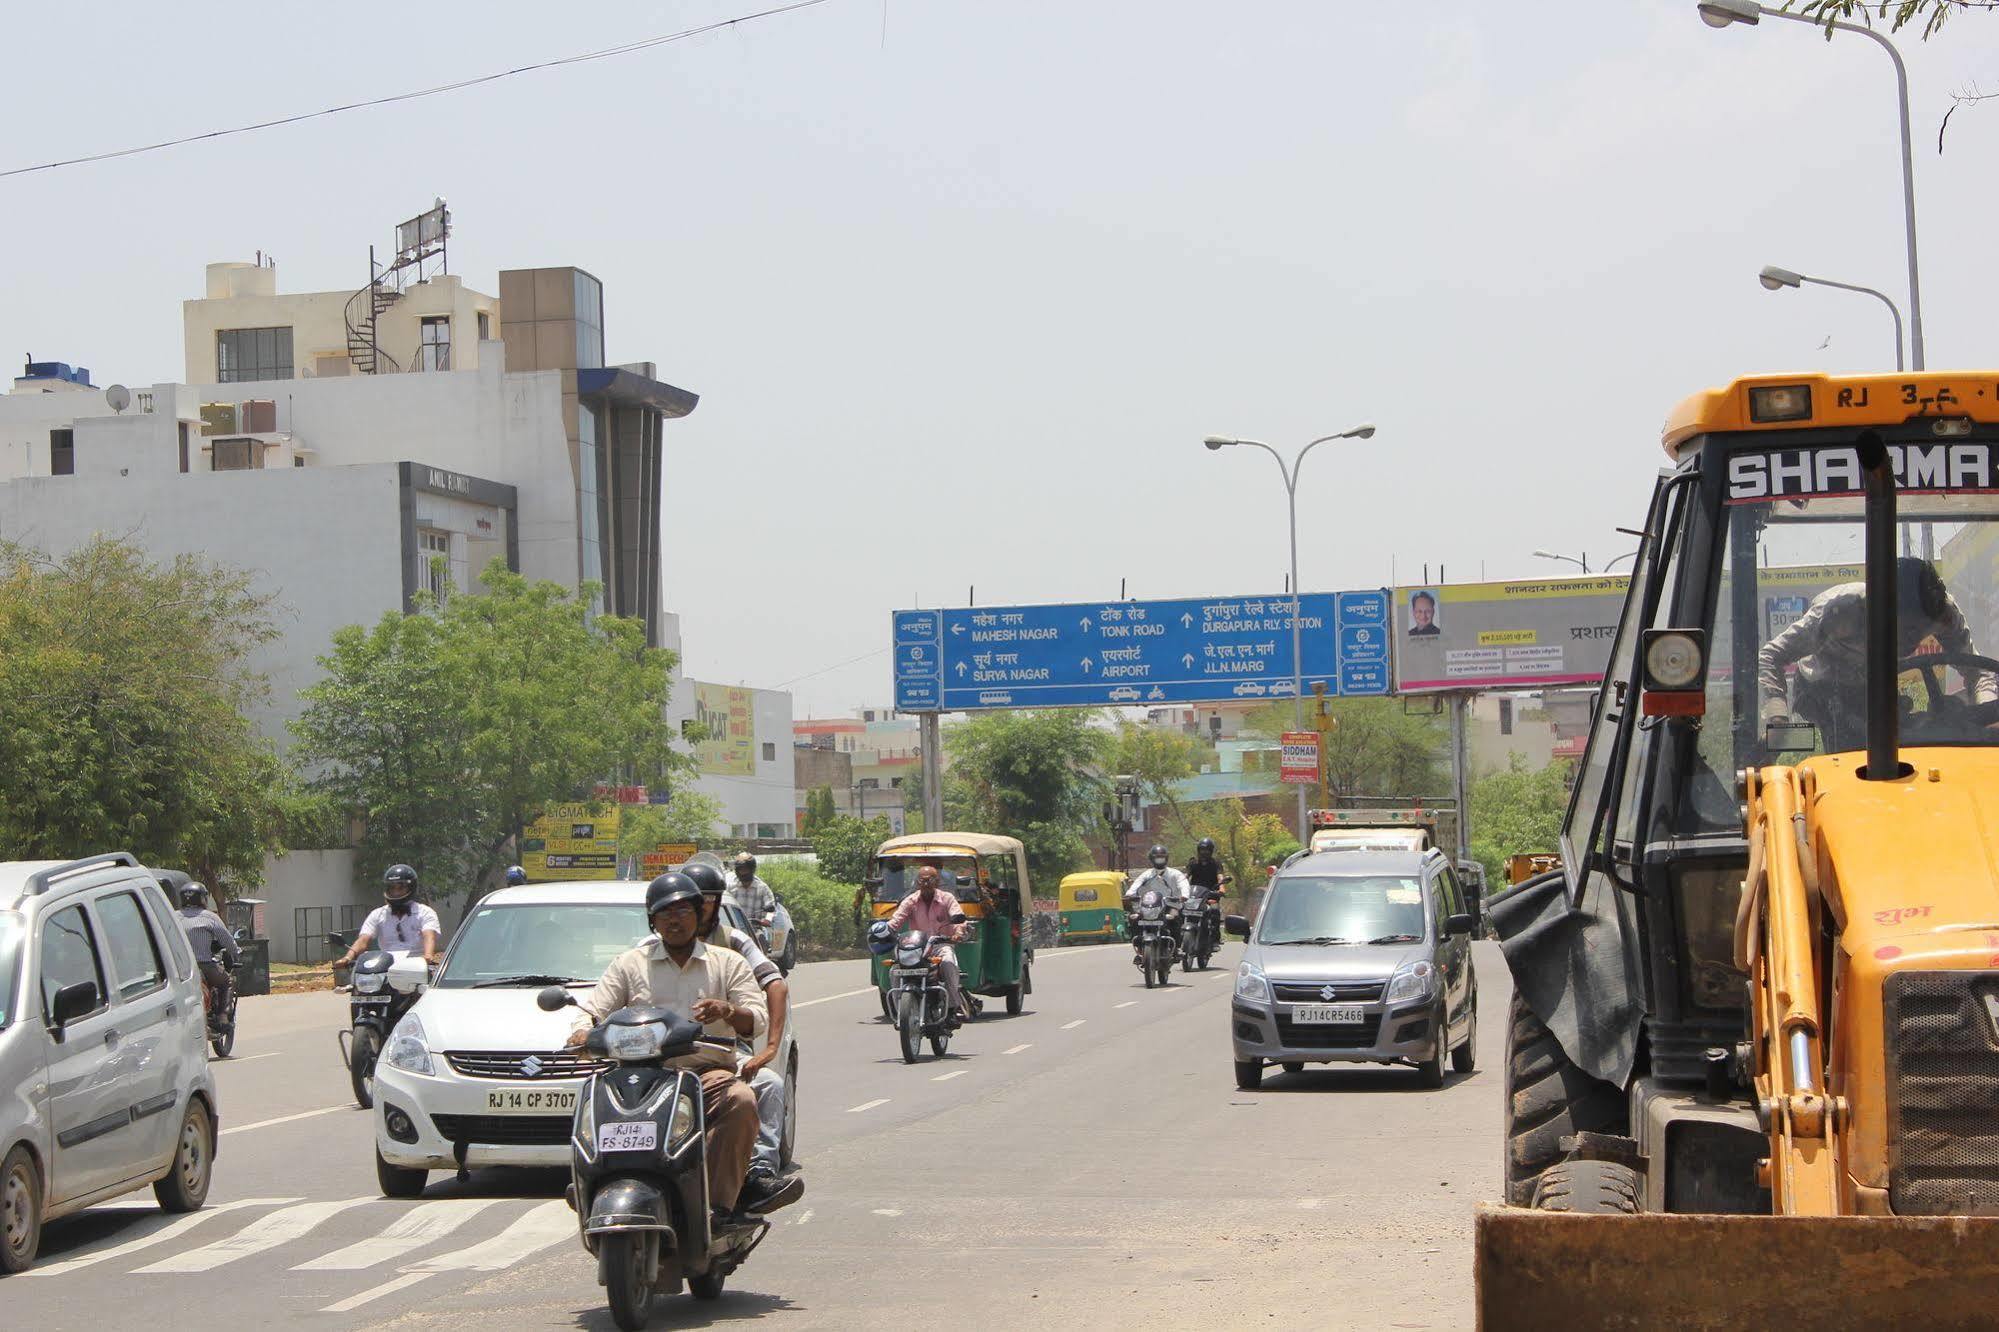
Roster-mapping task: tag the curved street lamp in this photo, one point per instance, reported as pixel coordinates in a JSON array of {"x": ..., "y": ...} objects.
[{"x": 1776, "y": 279}]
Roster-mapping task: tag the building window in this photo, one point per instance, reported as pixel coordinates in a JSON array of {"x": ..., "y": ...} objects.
[
  {"x": 236, "y": 455},
  {"x": 246, "y": 354},
  {"x": 435, "y": 351},
  {"x": 770, "y": 752},
  {"x": 62, "y": 453},
  {"x": 589, "y": 322},
  {"x": 183, "y": 446},
  {"x": 485, "y": 327},
  {"x": 434, "y": 549}
]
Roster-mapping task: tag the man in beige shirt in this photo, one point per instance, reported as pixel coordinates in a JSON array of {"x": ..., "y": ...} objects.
[{"x": 713, "y": 986}]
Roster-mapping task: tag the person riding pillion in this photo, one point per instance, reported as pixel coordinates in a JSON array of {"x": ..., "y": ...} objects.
[
  {"x": 1205, "y": 874},
  {"x": 401, "y": 924},
  {"x": 767, "y": 1185},
  {"x": 207, "y": 936},
  {"x": 929, "y": 909},
  {"x": 672, "y": 968}
]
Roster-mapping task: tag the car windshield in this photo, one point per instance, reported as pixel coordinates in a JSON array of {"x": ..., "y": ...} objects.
[
  {"x": 542, "y": 944},
  {"x": 13, "y": 929},
  {"x": 1361, "y": 909}
]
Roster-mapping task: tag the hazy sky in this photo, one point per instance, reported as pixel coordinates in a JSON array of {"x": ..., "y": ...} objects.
[{"x": 961, "y": 293}]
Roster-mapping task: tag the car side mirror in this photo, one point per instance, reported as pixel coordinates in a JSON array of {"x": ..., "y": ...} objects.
[
  {"x": 1458, "y": 924},
  {"x": 1236, "y": 925},
  {"x": 73, "y": 1002},
  {"x": 553, "y": 999}
]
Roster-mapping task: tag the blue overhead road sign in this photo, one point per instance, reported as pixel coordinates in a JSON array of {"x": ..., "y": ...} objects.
[{"x": 1089, "y": 654}]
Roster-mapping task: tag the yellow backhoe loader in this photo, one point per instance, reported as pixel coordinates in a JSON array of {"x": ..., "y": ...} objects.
[{"x": 1753, "y": 1059}]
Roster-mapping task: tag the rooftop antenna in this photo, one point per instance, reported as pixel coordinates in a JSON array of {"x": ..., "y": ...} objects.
[{"x": 118, "y": 396}]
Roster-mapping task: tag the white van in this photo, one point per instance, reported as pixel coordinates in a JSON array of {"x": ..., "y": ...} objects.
[{"x": 104, "y": 1081}]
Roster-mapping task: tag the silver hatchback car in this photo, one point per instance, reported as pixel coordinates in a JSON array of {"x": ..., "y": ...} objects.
[
  {"x": 104, "y": 1080},
  {"x": 1358, "y": 956}
]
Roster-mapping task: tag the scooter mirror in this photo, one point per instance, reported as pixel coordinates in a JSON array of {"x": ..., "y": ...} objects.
[{"x": 554, "y": 999}]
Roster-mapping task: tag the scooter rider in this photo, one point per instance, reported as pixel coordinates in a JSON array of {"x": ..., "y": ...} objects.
[
  {"x": 767, "y": 1184},
  {"x": 1206, "y": 875},
  {"x": 1171, "y": 883},
  {"x": 401, "y": 923},
  {"x": 673, "y": 969},
  {"x": 207, "y": 935}
]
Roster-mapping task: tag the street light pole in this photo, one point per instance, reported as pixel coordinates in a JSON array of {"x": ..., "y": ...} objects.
[
  {"x": 1551, "y": 555},
  {"x": 1776, "y": 279},
  {"x": 1722, "y": 13},
  {"x": 1290, "y": 475}
]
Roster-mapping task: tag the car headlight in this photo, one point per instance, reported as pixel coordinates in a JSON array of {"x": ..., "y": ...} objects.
[
  {"x": 681, "y": 1128},
  {"x": 1251, "y": 985},
  {"x": 1410, "y": 983},
  {"x": 628, "y": 1044},
  {"x": 369, "y": 982},
  {"x": 406, "y": 1049}
]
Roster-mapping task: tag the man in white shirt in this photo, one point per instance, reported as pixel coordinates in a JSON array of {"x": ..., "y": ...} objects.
[{"x": 401, "y": 924}]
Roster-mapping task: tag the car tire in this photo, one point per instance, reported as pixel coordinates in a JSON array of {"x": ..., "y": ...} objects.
[
  {"x": 399, "y": 1181},
  {"x": 184, "y": 1188},
  {"x": 20, "y": 1211},
  {"x": 1600, "y": 1188},
  {"x": 1547, "y": 1099},
  {"x": 1465, "y": 1058},
  {"x": 1430, "y": 1072},
  {"x": 1248, "y": 1074}
]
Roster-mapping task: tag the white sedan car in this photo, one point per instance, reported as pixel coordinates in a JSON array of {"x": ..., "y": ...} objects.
[{"x": 476, "y": 1074}]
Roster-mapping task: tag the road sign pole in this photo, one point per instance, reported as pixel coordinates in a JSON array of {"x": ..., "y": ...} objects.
[
  {"x": 933, "y": 772},
  {"x": 1460, "y": 763}
]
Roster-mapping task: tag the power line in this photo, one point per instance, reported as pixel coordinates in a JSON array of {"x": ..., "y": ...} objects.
[
  {"x": 834, "y": 667},
  {"x": 643, "y": 44}
]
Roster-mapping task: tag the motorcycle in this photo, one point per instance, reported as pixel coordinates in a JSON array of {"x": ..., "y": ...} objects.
[
  {"x": 1155, "y": 935},
  {"x": 384, "y": 986},
  {"x": 919, "y": 1003},
  {"x": 221, "y": 1019},
  {"x": 1198, "y": 922},
  {"x": 639, "y": 1165}
]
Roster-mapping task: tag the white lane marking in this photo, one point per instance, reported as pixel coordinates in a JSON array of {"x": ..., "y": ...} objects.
[
  {"x": 536, "y": 1230},
  {"x": 1018, "y": 1048},
  {"x": 1066, "y": 1026},
  {"x": 266, "y": 1232},
  {"x": 283, "y": 1119},
  {"x": 803, "y": 1217},
  {"x": 866, "y": 1105},
  {"x": 955, "y": 1073},
  {"x": 888, "y": 1211},
  {"x": 247, "y": 1059},
  {"x": 1126, "y": 1004},
  {"x": 414, "y": 1228},
  {"x": 173, "y": 1230},
  {"x": 353, "y": 1302},
  {"x": 829, "y": 998},
  {"x": 1310, "y": 1204}
]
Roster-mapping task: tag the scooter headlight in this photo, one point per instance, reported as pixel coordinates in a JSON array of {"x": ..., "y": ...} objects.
[
  {"x": 406, "y": 1049},
  {"x": 639, "y": 1041},
  {"x": 681, "y": 1128}
]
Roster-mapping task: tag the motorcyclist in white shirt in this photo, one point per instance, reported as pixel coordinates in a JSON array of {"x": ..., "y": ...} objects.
[
  {"x": 401, "y": 924},
  {"x": 1170, "y": 882}
]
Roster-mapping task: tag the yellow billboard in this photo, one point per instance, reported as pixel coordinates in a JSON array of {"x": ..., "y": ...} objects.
[
  {"x": 575, "y": 841},
  {"x": 728, "y": 715}
]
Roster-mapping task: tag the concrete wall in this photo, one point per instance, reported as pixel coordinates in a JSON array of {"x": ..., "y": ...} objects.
[
  {"x": 318, "y": 321},
  {"x": 310, "y": 879}
]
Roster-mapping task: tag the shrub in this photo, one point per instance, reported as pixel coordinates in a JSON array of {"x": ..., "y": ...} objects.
[{"x": 821, "y": 909}]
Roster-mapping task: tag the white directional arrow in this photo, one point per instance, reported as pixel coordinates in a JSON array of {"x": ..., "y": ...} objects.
[
  {"x": 1086, "y": 624},
  {"x": 1087, "y": 664},
  {"x": 1188, "y": 661},
  {"x": 961, "y": 670},
  {"x": 1186, "y": 620},
  {"x": 957, "y": 628}
]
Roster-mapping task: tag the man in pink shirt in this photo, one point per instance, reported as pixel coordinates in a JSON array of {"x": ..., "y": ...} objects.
[{"x": 929, "y": 909}]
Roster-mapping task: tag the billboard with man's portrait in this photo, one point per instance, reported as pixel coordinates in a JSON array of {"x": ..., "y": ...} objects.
[{"x": 1529, "y": 634}]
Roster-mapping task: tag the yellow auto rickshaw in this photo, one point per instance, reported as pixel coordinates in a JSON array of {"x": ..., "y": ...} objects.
[
  {"x": 988, "y": 876},
  {"x": 1090, "y": 906}
]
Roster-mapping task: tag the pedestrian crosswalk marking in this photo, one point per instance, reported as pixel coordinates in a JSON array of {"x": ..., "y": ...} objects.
[
  {"x": 420, "y": 1225},
  {"x": 173, "y": 1230},
  {"x": 530, "y": 1233},
  {"x": 265, "y": 1233}
]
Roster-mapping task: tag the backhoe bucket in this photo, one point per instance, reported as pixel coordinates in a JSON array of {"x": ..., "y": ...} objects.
[{"x": 1544, "y": 1270}]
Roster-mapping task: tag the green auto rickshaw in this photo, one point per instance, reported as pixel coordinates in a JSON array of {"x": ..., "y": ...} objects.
[
  {"x": 1090, "y": 906},
  {"x": 988, "y": 875}
]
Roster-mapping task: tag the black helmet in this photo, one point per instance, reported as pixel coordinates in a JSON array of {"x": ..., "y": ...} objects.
[
  {"x": 396, "y": 875},
  {"x": 1205, "y": 847},
  {"x": 705, "y": 877},
  {"x": 746, "y": 861},
  {"x": 516, "y": 876},
  {"x": 1919, "y": 590},
  {"x": 668, "y": 888},
  {"x": 193, "y": 895},
  {"x": 1157, "y": 855}
]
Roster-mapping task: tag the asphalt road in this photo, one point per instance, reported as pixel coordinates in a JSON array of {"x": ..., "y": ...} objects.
[{"x": 1090, "y": 1161}]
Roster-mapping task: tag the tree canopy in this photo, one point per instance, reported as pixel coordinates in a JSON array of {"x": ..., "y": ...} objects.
[
  {"x": 1032, "y": 775},
  {"x": 123, "y": 689},
  {"x": 845, "y": 844},
  {"x": 1373, "y": 747},
  {"x": 1516, "y": 810}
]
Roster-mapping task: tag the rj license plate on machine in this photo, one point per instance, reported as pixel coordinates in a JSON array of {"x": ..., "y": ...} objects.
[
  {"x": 1331, "y": 1015},
  {"x": 630, "y": 1136},
  {"x": 521, "y": 1102}
]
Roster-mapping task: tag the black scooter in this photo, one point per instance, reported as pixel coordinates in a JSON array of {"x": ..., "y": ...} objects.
[{"x": 639, "y": 1163}]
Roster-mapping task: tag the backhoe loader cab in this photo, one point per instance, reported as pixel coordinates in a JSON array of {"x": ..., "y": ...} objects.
[{"x": 1802, "y": 698}]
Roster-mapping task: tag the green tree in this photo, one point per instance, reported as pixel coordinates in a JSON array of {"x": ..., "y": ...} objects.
[
  {"x": 1373, "y": 748},
  {"x": 1032, "y": 775},
  {"x": 688, "y": 816},
  {"x": 1160, "y": 758},
  {"x": 1899, "y": 12},
  {"x": 1245, "y": 843},
  {"x": 448, "y": 728},
  {"x": 1517, "y": 810},
  {"x": 819, "y": 809},
  {"x": 123, "y": 691},
  {"x": 844, "y": 845}
]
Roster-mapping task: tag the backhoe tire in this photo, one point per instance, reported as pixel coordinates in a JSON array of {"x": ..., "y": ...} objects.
[
  {"x": 1547, "y": 1099},
  {"x": 1599, "y": 1187}
]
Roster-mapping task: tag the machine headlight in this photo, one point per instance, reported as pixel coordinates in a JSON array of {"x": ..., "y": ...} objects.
[
  {"x": 1410, "y": 983},
  {"x": 369, "y": 982},
  {"x": 630, "y": 1044},
  {"x": 1251, "y": 985},
  {"x": 911, "y": 956},
  {"x": 681, "y": 1128},
  {"x": 406, "y": 1049}
]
